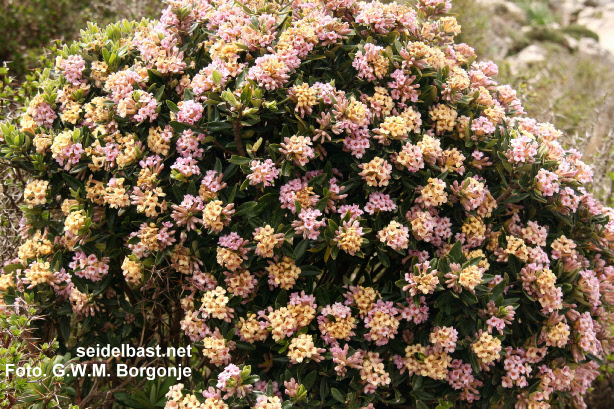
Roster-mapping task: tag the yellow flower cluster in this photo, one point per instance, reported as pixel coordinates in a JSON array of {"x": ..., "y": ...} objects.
[
  {"x": 483, "y": 263},
  {"x": 157, "y": 142},
  {"x": 214, "y": 304},
  {"x": 283, "y": 274},
  {"x": 393, "y": 128},
  {"x": 214, "y": 403},
  {"x": 425, "y": 281},
  {"x": 495, "y": 114},
  {"x": 453, "y": 159},
  {"x": 71, "y": 112},
  {"x": 302, "y": 348},
  {"x": 557, "y": 335},
  {"x": 305, "y": 97},
  {"x": 34, "y": 247},
  {"x": 266, "y": 241},
  {"x": 376, "y": 172},
  {"x": 132, "y": 271},
  {"x": 339, "y": 328},
  {"x": 373, "y": 370},
  {"x": 147, "y": 179},
  {"x": 42, "y": 142},
  {"x": 268, "y": 402},
  {"x": 434, "y": 194},
  {"x": 444, "y": 118},
  {"x": 545, "y": 282},
  {"x": 382, "y": 325},
  {"x": 356, "y": 111},
  {"x": 365, "y": 298},
  {"x": 286, "y": 320},
  {"x": 6, "y": 281},
  {"x": 458, "y": 79},
  {"x": 148, "y": 202},
  {"x": 38, "y": 273},
  {"x": 60, "y": 142},
  {"x": 349, "y": 238},
  {"x": 180, "y": 259},
  {"x": 250, "y": 330},
  {"x": 563, "y": 247},
  {"x": 215, "y": 216},
  {"x": 431, "y": 149},
  {"x": 420, "y": 360},
  {"x": 97, "y": 110},
  {"x": 217, "y": 350},
  {"x": 36, "y": 193},
  {"x": 517, "y": 247},
  {"x": 381, "y": 101},
  {"x": 68, "y": 205},
  {"x": 240, "y": 284},
  {"x": 81, "y": 303},
  {"x": 470, "y": 277},
  {"x": 177, "y": 400},
  {"x": 228, "y": 258},
  {"x": 116, "y": 195},
  {"x": 95, "y": 191},
  {"x": 305, "y": 197},
  {"x": 75, "y": 222},
  {"x": 149, "y": 237},
  {"x": 380, "y": 65},
  {"x": 487, "y": 348}
]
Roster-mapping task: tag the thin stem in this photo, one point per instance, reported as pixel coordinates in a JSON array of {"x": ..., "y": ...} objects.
[
  {"x": 219, "y": 145},
  {"x": 236, "y": 127}
]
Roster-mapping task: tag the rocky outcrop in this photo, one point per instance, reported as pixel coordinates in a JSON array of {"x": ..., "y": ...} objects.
[{"x": 600, "y": 20}]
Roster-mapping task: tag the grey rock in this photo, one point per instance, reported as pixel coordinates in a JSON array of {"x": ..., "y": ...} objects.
[
  {"x": 506, "y": 8},
  {"x": 601, "y": 21},
  {"x": 590, "y": 46},
  {"x": 531, "y": 55}
]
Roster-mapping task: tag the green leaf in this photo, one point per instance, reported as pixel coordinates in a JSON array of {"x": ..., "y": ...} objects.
[
  {"x": 310, "y": 379},
  {"x": 337, "y": 395},
  {"x": 245, "y": 208},
  {"x": 307, "y": 271},
  {"x": 171, "y": 105},
  {"x": 421, "y": 405},
  {"x": 301, "y": 248},
  {"x": 12, "y": 267},
  {"x": 65, "y": 327},
  {"x": 240, "y": 160},
  {"x": 180, "y": 127},
  {"x": 72, "y": 182},
  {"x": 383, "y": 257},
  {"x": 456, "y": 252},
  {"x": 515, "y": 198},
  {"x": 286, "y": 168}
]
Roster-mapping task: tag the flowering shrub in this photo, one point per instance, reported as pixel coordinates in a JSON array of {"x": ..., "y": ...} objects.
[{"x": 332, "y": 202}]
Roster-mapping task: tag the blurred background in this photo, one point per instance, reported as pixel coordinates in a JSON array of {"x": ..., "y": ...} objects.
[{"x": 558, "y": 55}]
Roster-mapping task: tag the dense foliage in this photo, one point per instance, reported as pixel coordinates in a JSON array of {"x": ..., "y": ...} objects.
[
  {"x": 19, "y": 350},
  {"x": 330, "y": 201}
]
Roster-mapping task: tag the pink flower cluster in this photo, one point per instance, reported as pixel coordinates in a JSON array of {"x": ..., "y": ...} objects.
[
  {"x": 379, "y": 202},
  {"x": 190, "y": 112},
  {"x": 72, "y": 68},
  {"x": 308, "y": 225},
  {"x": 263, "y": 172},
  {"x": 89, "y": 267}
]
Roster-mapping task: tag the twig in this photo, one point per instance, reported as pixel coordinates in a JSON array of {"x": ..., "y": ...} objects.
[
  {"x": 219, "y": 145},
  {"x": 236, "y": 127}
]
